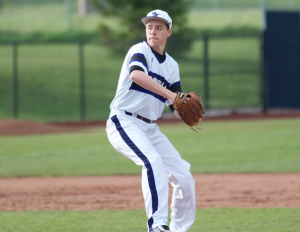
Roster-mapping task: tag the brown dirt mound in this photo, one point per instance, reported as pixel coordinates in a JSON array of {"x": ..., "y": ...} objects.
[
  {"x": 124, "y": 192},
  {"x": 21, "y": 127}
]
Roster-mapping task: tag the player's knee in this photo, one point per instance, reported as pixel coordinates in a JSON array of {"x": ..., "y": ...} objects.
[{"x": 187, "y": 181}]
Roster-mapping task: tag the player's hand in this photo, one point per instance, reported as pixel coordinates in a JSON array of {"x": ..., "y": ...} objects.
[
  {"x": 172, "y": 97},
  {"x": 186, "y": 100}
]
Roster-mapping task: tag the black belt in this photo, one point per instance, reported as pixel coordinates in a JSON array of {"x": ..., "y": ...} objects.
[{"x": 139, "y": 117}]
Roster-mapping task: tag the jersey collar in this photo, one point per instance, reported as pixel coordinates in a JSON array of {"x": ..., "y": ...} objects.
[{"x": 160, "y": 58}]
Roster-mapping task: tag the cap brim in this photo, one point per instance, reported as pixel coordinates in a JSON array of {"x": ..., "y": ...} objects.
[{"x": 147, "y": 18}]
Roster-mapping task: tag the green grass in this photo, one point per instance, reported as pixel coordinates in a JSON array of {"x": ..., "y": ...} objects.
[
  {"x": 218, "y": 219},
  {"x": 225, "y": 19},
  {"x": 262, "y": 146},
  {"x": 47, "y": 17},
  {"x": 22, "y": 16},
  {"x": 25, "y": 20},
  {"x": 245, "y": 4},
  {"x": 52, "y": 19}
]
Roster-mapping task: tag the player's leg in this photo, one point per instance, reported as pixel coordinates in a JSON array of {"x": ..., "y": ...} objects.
[
  {"x": 129, "y": 139},
  {"x": 179, "y": 176}
]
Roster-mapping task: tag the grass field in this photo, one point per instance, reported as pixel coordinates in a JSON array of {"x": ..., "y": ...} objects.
[
  {"x": 232, "y": 4},
  {"x": 21, "y": 15},
  {"x": 263, "y": 146},
  {"x": 244, "y": 146},
  {"x": 218, "y": 220}
]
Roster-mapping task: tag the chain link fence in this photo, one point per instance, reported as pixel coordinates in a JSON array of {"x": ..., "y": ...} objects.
[{"x": 64, "y": 82}]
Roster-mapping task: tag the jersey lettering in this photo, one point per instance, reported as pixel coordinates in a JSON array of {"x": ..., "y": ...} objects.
[{"x": 159, "y": 79}]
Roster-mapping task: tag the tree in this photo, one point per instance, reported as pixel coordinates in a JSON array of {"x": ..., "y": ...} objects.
[
  {"x": 130, "y": 13},
  {"x": 1, "y": 3}
]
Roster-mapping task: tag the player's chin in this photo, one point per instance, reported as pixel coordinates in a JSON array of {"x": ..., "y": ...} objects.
[{"x": 153, "y": 43}]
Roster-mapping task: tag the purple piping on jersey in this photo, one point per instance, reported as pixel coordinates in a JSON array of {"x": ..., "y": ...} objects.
[
  {"x": 138, "y": 60},
  {"x": 174, "y": 84},
  {"x": 157, "y": 76},
  {"x": 141, "y": 89},
  {"x": 150, "y": 174},
  {"x": 139, "y": 54}
]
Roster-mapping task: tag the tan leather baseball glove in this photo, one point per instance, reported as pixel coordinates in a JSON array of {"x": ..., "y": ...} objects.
[{"x": 189, "y": 107}]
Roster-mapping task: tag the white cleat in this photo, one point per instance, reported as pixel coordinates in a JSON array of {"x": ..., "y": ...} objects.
[{"x": 161, "y": 229}]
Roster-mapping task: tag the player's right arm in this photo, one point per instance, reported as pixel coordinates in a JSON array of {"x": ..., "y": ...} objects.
[
  {"x": 145, "y": 81},
  {"x": 138, "y": 72}
]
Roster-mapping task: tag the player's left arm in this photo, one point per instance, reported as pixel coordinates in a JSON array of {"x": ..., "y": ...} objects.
[{"x": 176, "y": 87}]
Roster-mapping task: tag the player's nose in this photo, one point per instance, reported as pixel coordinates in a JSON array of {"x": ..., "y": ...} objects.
[{"x": 153, "y": 31}]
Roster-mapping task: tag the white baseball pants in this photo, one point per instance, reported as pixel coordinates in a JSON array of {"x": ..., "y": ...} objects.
[{"x": 144, "y": 144}]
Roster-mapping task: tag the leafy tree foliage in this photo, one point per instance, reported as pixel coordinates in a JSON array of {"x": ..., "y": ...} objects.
[{"x": 130, "y": 13}]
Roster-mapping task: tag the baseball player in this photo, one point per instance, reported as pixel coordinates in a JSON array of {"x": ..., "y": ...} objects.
[{"x": 149, "y": 79}]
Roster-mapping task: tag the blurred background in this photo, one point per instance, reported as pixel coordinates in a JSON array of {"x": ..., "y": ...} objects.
[{"x": 60, "y": 60}]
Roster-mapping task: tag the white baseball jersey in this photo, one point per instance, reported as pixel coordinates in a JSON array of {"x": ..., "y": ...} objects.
[{"x": 134, "y": 98}]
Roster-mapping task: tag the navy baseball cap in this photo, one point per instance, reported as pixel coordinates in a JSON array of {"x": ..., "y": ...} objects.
[{"x": 158, "y": 14}]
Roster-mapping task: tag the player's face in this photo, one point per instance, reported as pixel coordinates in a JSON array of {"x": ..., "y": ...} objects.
[{"x": 157, "y": 34}]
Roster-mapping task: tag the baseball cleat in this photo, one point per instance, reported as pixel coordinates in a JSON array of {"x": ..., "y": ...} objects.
[{"x": 161, "y": 229}]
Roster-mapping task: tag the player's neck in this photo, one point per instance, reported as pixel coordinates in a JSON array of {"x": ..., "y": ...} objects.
[{"x": 160, "y": 50}]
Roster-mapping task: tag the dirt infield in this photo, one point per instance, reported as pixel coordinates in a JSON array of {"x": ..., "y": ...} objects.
[
  {"x": 21, "y": 127},
  {"x": 124, "y": 192}
]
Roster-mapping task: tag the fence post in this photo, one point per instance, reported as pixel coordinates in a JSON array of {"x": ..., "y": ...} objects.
[
  {"x": 81, "y": 81},
  {"x": 15, "y": 81},
  {"x": 206, "y": 71},
  {"x": 68, "y": 14},
  {"x": 262, "y": 70}
]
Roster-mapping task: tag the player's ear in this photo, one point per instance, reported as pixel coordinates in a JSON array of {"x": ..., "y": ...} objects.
[{"x": 169, "y": 32}]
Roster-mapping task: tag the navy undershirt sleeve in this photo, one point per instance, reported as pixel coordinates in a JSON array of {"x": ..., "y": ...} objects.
[
  {"x": 176, "y": 88},
  {"x": 135, "y": 67}
]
